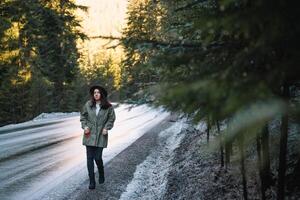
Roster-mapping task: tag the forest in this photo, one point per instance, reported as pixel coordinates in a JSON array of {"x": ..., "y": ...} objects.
[
  {"x": 230, "y": 63},
  {"x": 42, "y": 67}
]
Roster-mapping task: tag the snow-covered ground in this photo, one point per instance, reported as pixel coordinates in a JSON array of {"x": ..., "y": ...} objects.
[
  {"x": 44, "y": 158},
  {"x": 150, "y": 177}
]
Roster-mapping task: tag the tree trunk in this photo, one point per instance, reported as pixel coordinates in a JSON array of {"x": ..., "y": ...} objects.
[
  {"x": 283, "y": 148},
  {"x": 266, "y": 169},
  {"x": 259, "y": 165},
  {"x": 208, "y": 129},
  {"x": 227, "y": 154},
  {"x": 243, "y": 169},
  {"x": 58, "y": 95},
  {"x": 221, "y": 144},
  {"x": 296, "y": 176}
]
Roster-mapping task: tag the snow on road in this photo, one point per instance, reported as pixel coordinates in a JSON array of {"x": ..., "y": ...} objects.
[{"x": 44, "y": 159}]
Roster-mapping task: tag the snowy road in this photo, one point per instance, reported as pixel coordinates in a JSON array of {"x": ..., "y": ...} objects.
[{"x": 46, "y": 160}]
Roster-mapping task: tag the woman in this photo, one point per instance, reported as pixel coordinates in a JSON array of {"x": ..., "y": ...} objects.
[{"x": 97, "y": 117}]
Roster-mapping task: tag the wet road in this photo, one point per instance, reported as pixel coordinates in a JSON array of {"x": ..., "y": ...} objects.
[{"x": 46, "y": 160}]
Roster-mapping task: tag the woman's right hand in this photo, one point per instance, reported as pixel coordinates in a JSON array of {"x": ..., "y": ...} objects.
[{"x": 87, "y": 131}]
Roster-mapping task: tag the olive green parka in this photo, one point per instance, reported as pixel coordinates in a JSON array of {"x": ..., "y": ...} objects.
[{"x": 96, "y": 123}]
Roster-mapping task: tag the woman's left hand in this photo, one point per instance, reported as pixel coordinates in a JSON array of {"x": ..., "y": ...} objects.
[{"x": 104, "y": 132}]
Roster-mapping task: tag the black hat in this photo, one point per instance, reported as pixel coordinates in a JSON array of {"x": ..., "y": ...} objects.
[{"x": 100, "y": 88}]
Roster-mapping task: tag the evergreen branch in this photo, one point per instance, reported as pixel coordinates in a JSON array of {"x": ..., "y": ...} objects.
[{"x": 190, "y": 5}]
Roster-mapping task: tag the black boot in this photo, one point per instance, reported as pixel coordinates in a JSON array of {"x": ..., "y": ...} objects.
[
  {"x": 92, "y": 181},
  {"x": 101, "y": 175},
  {"x": 100, "y": 170}
]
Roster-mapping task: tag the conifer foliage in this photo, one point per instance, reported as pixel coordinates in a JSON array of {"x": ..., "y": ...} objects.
[
  {"x": 233, "y": 64},
  {"x": 38, "y": 57}
]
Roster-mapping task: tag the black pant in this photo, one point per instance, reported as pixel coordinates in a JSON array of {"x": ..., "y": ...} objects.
[{"x": 94, "y": 153}]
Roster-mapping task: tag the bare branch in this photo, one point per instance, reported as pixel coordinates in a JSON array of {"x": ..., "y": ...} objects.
[
  {"x": 105, "y": 37},
  {"x": 155, "y": 43}
]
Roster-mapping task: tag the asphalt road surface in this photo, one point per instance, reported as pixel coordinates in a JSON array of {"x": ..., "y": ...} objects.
[{"x": 47, "y": 160}]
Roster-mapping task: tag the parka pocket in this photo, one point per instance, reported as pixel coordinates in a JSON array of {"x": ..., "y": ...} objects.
[
  {"x": 87, "y": 135},
  {"x": 89, "y": 140}
]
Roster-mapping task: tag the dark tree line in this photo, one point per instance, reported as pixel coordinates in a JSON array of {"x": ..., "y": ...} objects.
[
  {"x": 38, "y": 58},
  {"x": 231, "y": 63}
]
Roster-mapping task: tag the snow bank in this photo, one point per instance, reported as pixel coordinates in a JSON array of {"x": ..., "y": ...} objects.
[
  {"x": 149, "y": 179},
  {"x": 45, "y": 118},
  {"x": 56, "y": 115}
]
